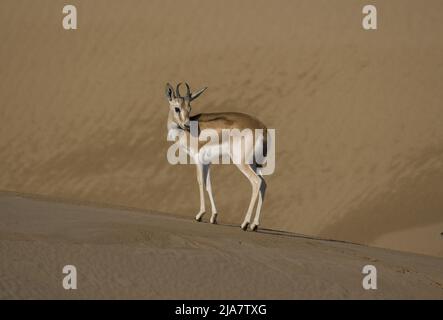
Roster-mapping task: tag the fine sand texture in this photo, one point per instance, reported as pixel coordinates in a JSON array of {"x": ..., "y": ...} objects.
[
  {"x": 358, "y": 118},
  {"x": 121, "y": 253}
]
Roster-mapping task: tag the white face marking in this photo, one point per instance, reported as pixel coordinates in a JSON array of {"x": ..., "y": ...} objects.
[{"x": 174, "y": 104}]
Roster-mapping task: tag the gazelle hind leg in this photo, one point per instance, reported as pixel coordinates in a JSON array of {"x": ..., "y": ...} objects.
[
  {"x": 200, "y": 181},
  {"x": 261, "y": 197},
  {"x": 207, "y": 177},
  {"x": 255, "y": 183}
]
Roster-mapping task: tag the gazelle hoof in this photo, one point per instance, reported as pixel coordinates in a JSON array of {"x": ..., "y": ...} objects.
[
  {"x": 254, "y": 227},
  {"x": 213, "y": 219},
  {"x": 199, "y": 216},
  {"x": 244, "y": 226}
]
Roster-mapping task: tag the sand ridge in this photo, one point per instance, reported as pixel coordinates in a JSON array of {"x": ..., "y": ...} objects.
[{"x": 131, "y": 254}]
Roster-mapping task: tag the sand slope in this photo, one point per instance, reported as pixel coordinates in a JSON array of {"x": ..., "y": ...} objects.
[
  {"x": 358, "y": 114},
  {"x": 131, "y": 254}
]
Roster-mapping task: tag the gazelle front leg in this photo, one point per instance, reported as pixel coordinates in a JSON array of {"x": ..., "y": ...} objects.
[
  {"x": 207, "y": 178},
  {"x": 200, "y": 181}
]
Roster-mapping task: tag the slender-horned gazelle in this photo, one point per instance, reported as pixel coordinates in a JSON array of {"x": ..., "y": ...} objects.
[{"x": 179, "y": 120}]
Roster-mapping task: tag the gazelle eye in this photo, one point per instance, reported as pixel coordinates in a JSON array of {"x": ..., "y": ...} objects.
[{"x": 177, "y": 110}]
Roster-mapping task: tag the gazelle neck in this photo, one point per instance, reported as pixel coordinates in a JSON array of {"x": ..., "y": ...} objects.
[{"x": 172, "y": 125}]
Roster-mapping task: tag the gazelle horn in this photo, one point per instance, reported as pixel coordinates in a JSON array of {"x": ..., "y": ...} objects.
[
  {"x": 177, "y": 90},
  {"x": 188, "y": 92}
]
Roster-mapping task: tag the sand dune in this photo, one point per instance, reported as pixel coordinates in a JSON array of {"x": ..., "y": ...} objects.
[
  {"x": 132, "y": 254},
  {"x": 358, "y": 114}
]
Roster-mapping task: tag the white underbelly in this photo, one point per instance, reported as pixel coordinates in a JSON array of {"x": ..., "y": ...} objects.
[{"x": 209, "y": 153}]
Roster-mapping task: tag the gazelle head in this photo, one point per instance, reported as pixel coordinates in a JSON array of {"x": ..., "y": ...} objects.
[{"x": 180, "y": 106}]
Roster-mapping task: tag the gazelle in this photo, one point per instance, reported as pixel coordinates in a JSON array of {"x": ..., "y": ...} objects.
[{"x": 179, "y": 119}]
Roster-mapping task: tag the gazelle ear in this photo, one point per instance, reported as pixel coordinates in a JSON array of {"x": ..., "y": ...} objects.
[
  {"x": 169, "y": 92},
  {"x": 195, "y": 95}
]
